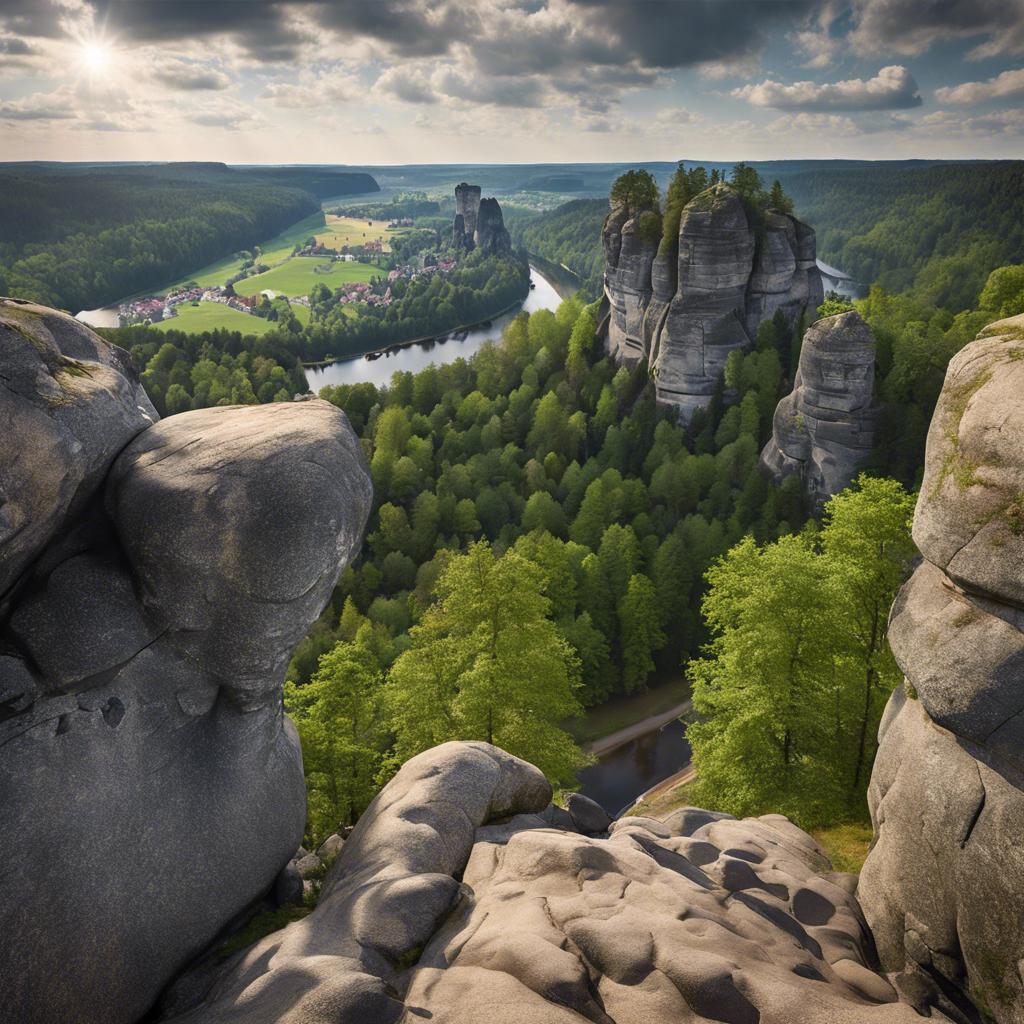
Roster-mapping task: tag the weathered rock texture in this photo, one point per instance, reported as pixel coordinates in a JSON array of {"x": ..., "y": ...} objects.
[
  {"x": 824, "y": 429},
  {"x": 479, "y": 223},
  {"x": 685, "y": 310},
  {"x": 942, "y": 885},
  {"x": 467, "y": 207},
  {"x": 491, "y": 235},
  {"x": 462, "y": 896},
  {"x": 155, "y": 578}
]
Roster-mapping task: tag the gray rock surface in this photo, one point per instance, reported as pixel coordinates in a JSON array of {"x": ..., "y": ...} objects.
[
  {"x": 69, "y": 403},
  {"x": 941, "y": 886},
  {"x": 684, "y": 310},
  {"x": 456, "y": 900},
  {"x": 824, "y": 429},
  {"x": 491, "y": 235},
  {"x": 467, "y": 206},
  {"x": 150, "y": 787}
]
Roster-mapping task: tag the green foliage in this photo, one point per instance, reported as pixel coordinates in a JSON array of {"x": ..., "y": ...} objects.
[
  {"x": 81, "y": 239},
  {"x": 339, "y": 717},
  {"x": 637, "y": 190},
  {"x": 833, "y": 305},
  {"x": 798, "y": 669},
  {"x": 1003, "y": 294},
  {"x": 571, "y": 235},
  {"x": 487, "y": 663},
  {"x": 934, "y": 230},
  {"x": 684, "y": 186}
]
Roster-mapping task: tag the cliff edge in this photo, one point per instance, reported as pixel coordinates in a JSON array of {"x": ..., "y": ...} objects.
[{"x": 941, "y": 886}]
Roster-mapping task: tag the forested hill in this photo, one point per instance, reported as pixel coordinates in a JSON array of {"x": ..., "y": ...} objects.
[
  {"x": 80, "y": 236},
  {"x": 938, "y": 229},
  {"x": 571, "y": 235}
]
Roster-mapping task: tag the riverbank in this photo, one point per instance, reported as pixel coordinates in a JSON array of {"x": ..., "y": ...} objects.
[
  {"x": 624, "y": 713},
  {"x": 426, "y": 339},
  {"x": 626, "y": 735},
  {"x": 562, "y": 279}
]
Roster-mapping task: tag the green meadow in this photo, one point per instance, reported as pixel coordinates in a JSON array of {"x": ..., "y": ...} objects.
[
  {"x": 298, "y": 275},
  {"x": 212, "y": 316}
]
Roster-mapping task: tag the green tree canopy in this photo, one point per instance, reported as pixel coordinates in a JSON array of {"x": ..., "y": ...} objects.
[{"x": 486, "y": 662}]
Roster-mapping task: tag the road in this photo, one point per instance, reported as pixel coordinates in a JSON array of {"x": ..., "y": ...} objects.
[{"x": 631, "y": 732}]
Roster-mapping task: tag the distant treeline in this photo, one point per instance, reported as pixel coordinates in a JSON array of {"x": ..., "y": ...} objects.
[
  {"x": 938, "y": 229},
  {"x": 80, "y": 237}
]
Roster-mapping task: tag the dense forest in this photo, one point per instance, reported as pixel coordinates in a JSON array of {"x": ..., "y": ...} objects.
[
  {"x": 570, "y": 235},
  {"x": 81, "y": 239},
  {"x": 938, "y": 230}
]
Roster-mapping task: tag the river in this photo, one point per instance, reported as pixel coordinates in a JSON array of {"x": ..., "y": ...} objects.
[
  {"x": 359, "y": 369},
  {"x": 622, "y": 774}
]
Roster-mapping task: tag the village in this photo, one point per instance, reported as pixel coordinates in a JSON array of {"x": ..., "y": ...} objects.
[{"x": 154, "y": 309}]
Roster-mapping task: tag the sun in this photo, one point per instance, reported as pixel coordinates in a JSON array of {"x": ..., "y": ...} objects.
[{"x": 96, "y": 57}]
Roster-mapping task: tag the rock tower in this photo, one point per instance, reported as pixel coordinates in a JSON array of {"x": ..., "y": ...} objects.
[
  {"x": 683, "y": 308},
  {"x": 824, "y": 428}
]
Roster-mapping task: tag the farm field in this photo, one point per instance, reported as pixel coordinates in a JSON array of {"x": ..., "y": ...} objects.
[
  {"x": 298, "y": 275},
  {"x": 212, "y": 316},
  {"x": 340, "y": 231}
]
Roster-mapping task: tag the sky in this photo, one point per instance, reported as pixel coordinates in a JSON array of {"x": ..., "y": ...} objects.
[{"x": 509, "y": 81}]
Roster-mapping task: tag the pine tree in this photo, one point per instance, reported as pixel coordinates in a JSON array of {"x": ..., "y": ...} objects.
[{"x": 639, "y": 632}]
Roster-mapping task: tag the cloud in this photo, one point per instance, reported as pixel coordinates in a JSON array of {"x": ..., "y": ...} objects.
[
  {"x": 1008, "y": 83},
  {"x": 911, "y": 27},
  {"x": 313, "y": 91},
  {"x": 15, "y": 47},
  {"x": 227, "y": 116},
  {"x": 893, "y": 88},
  {"x": 411, "y": 85},
  {"x": 189, "y": 76},
  {"x": 51, "y": 106}
]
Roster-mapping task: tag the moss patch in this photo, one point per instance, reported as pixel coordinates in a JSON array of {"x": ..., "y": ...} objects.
[
  {"x": 259, "y": 927},
  {"x": 846, "y": 845},
  {"x": 956, "y": 465}
]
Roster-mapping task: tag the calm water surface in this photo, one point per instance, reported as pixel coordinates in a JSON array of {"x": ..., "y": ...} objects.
[
  {"x": 359, "y": 369},
  {"x": 621, "y": 775}
]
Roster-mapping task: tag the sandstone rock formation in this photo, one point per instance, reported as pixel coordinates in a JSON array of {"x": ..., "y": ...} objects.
[
  {"x": 491, "y": 236},
  {"x": 683, "y": 310},
  {"x": 479, "y": 223},
  {"x": 941, "y": 887},
  {"x": 462, "y": 896},
  {"x": 824, "y": 429},
  {"x": 154, "y": 578},
  {"x": 467, "y": 207}
]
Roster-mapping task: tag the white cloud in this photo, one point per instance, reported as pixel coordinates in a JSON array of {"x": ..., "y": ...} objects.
[
  {"x": 1008, "y": 83},
  {"x": 189, "y": 75},
  {"x": 893, "y": 88}
]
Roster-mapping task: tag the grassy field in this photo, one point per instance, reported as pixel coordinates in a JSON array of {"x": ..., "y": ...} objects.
[
  {"x": 211, "y": 316},
  {"x": 298, "y": 275},
  {"x": 274, "y": 250},
  {"x": 339, "y": 231},
  {"x": 622, "y": 712}
]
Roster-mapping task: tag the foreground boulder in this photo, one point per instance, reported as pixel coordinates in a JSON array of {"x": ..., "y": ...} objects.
[
  {"x": 462, "y": 896},
  {"x": 682, "y": 305},
  {"x": 151, "y": 789},
  {"x": 941, "y": 886},
  {"x": 824, "y": 429}
]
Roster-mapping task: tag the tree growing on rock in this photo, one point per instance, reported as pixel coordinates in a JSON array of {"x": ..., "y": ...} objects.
[
  {"x": 637, "y": 190},
  {"x": 486, "y": 662}
]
